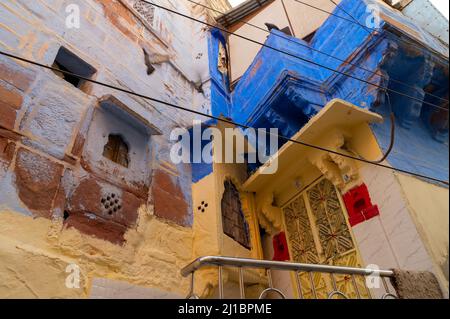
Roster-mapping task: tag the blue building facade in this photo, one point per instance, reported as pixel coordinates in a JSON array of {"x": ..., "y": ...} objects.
[{"x": 290, "y": 80}]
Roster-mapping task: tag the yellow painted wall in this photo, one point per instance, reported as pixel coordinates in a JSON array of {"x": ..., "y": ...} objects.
[
  {"x": 237, "y": 173},
  {"x": 208, "y": 224},
  {"x": 306, "y": 20},
  {"x": 429, "y": 207},
  {"x": 34, "y": 254},
  {"x": 209, "y": 238}
]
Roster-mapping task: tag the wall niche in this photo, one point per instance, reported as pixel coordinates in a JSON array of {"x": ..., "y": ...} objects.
[{"x": 116, "y": 172}]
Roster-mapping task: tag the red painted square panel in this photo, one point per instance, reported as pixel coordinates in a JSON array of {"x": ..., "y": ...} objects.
[
  {"x": 359, "y": 205},
  {"x": 280, "y": 247}
]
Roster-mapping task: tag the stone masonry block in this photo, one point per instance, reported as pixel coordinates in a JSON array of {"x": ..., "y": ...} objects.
[
  {"x": 37, "y": 181},
  {"x": 16, "y": 75},
  {"x": 168, "y": 198}
]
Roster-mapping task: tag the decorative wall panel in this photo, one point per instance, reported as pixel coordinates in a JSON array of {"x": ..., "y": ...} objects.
[
  {"x": 334, "y": 234},
  {"x": 145, "y": 10},
  {"x": 300, "y": 235}
]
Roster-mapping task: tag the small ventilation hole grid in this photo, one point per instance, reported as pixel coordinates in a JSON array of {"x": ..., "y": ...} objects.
[
  {"x": 202, "y": 207},
  {"x": 111, "y": 203}
]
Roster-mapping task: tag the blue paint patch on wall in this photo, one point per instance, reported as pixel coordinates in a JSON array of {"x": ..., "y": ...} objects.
[
  {"x": 200, "y": 169},
  {"x": 220, "y": 93}
]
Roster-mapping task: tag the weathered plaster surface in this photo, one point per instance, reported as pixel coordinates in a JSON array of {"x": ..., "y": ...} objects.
[
  {"x": 52, "y": 174},
  {"x": 55, "y": 117},
  {"x": 429, "y": 206},
  {"x": 105, "y": 122},
  {"x": 152, "y": 257},
  {"x": 113, "y": 289}
]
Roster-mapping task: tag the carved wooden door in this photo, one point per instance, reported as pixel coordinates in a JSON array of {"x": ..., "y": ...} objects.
[{"x": 318, "y": 232}]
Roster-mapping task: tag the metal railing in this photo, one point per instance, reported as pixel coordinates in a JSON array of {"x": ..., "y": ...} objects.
[{"x": 268, "y": 266}]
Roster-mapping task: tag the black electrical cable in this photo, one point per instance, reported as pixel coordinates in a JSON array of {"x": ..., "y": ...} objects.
[
  {"x": 413, "y": 44},
  {"x": 392, "y": 138},
  {"x": 221, "y": 119},
  {"x": 321, "y": 52},
  {"x": 368, "y": 30},
  {"x": 392, "y": 115},
  {"x": 392, "y": 142},
  {"x": 296, "y": 56}
]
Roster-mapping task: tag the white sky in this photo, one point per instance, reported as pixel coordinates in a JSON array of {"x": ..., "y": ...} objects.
[
  {"x": 441, "y": 5},
  {"x": 235, "y": 2}
]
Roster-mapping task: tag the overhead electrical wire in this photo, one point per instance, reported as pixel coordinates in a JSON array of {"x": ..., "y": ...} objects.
[
  {"x": 365, "y": 28},
  {"x": 321, "y": 52},
  {"x": 392, "y": 115},
  {"x": 392, "y": 141},
  {"x": 221, "y": 119},
  {"x": 296, "y": 56},
  {"x": 420, "y": 46}
]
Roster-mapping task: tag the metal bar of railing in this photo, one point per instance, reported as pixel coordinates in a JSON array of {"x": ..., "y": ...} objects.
[
  {"x": 368, "y": 291},
  {"x": 220, "y": 281},
  {"x": 388, "y": 294},
  {"x": 313, "y": 286},
  {"x": 271, "y": 287},
  {"x": 336, "y": 291},
  {"x": 333, "y": 282},
  {"x": 269, "y": 278},
  {"x": 299, "y": 285},
  {"x": 241, "y": 283},
  {"x": 192, "y": 294},
  {"x": 278, "y": 265},
  {"x": 242, "y": 263},
  {"x": 355, "y": 286}
]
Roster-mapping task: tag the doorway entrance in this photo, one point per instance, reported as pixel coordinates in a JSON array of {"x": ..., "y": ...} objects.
[{"x": 318, "y": 232}]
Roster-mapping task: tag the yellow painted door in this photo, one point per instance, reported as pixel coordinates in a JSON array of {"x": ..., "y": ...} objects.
[{"x": 318, "y": 232}]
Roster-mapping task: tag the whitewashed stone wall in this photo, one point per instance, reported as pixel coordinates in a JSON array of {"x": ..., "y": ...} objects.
[{"x": 390, "y": 240}]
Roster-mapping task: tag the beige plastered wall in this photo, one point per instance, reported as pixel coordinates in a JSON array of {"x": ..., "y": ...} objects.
[
  {"x": 303, "y": 20},
  {"x": 38, "y": 255},
  {"x": 209, "y": 238}
]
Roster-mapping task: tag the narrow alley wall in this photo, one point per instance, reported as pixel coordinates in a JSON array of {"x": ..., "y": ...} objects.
[{"x": 63, "y": 203}]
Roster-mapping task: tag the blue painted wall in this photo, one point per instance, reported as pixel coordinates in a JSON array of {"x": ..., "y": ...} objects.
[{"x": 220, "y": 93}]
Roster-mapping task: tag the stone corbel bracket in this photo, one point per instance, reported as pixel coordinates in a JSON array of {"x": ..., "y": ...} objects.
[
  {"x": 270, "y": 217},
  {"x": 343, "y": 172}
]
